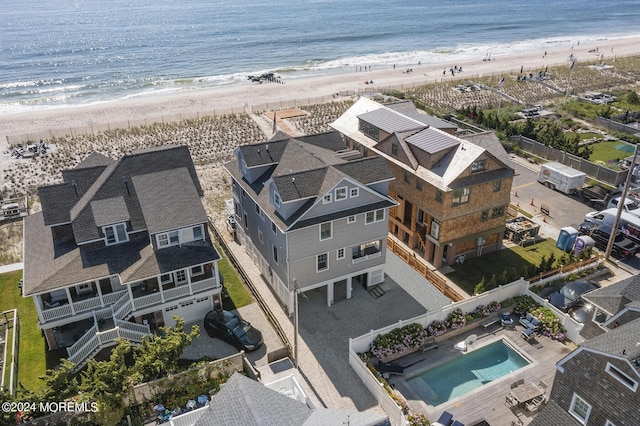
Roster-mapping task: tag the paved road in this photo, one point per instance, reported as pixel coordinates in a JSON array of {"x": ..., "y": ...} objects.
[{"x": 564, "y": 210}]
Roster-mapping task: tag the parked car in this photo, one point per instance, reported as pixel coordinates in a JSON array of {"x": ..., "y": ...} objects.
[
  {"x": 570, "y": 294},
  {"x": 585, "y": 228},
  {"x": 233, "y": 329},
  {"x": 622, "y": 246},
  {"x": 581, "y": 313}
]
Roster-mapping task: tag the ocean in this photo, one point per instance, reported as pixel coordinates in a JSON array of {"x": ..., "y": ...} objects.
[{"x": 58, "y": 53}]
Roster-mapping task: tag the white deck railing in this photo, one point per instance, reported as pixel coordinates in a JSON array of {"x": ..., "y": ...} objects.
[
  {"x": 173, "y": 293},
  {"x": 145, "y": 301},
  {"x": 87, "y": 304},
  {"x": 55, "y": 313},
  {"x": 207, "y": 284}
]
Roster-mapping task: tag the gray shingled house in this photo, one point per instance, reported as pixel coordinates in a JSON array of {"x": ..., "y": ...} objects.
[
  {"x": 597, "y": 384},
  {"x": 119, "y": 248},
  {"x": 312, "y": 214}
]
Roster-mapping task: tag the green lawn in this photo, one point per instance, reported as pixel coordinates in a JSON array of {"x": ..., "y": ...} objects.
[
  {"x": 32, "y": 346},
  {"x": 513, "y": 260},
  {"x": 238, "y": 292},
  {"x": 607, "y": 152}
]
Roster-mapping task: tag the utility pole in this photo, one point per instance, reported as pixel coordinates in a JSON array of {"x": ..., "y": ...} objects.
[
  {"x": 295, "y": 322},
  {"x": 623, "y": 197}
]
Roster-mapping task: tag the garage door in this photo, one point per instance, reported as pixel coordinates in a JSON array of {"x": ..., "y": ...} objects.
[{"x": 191, "y": 310}]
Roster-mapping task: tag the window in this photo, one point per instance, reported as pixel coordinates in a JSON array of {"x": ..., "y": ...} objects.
[
  {"x": 435, "y": 229},
  {"x": 460, "y": 196},
  {"x": 394, "y": 149},
  {"x": 181, "y": 276},
  {"x": 341, "y": 193},
  {"x": 322, "y": 262},
  {"x": 259, "y": 212},
  {"x": 325, "y": 231},
  {"x": 115, "y": 234},
  {"x": 497, "y": 185},
  {"x": 83, "y": 288},
  {"x": 369, "y": 130},
  {"x": 274, "y": 228},
  {"x": 580, "y": 409},
  {"x": 600, "y": 316},
  {"x": 420, "y": 218},
  {"x": 609, "y": 423},
  {"x": 260, "y": 236},
  {"x": 198, "y": 232},
  {"x": 497, "y": 212},
  {"x": 243, "y": 166},
  {"x": 374, "y": 216},
  {"x": 340, "y": 254},
  {"x": 621, "y": 377},
  {"x": 166, "y": 278},
  {"x": 354, "y": 192},
  {"x": 275, "y": 254},
  {"x": 477, "y": 166},
  {"x": 246, "y": 221},
  {"x": 484, "y": 215},
  {"x": 366, "y": 249},
  {"x": 351, "y": 219},
  {"x": 439, "y": 195},
  {"x": 276, "y": 199},
  {"x": 326, "y": 199},
  {"x": 419, "y": 184},
  {"x": 197, "y": 270},
  {"x": 407, "y": 176}
]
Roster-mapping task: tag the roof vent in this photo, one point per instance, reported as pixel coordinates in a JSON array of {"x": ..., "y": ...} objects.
[
  {"x": 293, "y": 179},
  {"x": 126, "y": 183},
  {"x": 266, "y": 147},
  {"x": 75, "y": 187}
]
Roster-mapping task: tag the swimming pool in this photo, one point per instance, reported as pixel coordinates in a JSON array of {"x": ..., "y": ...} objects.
[{"x": 466, "y": 373}]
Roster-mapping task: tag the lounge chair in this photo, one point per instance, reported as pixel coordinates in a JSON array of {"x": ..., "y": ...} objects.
[
  {"x": 444, "y": 419},
  {"x": 510, "y": 400},
  {"x": 383, "y": 367},
  {"x": 462, "y": 346},
  {"x": 529, "y": 321},
  {"x": 527, "y": 334},
  {"x": 506, "y": 320}
]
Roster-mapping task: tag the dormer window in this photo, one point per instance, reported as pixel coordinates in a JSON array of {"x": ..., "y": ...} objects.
[
  {"x": 173, "y": 238},
  {"x": 327, "y": 198},
  {"x": 243, "y": 166},
  {"x": 341, "y": 193},
  {"x": 115, "y": 234},
  {"x": 276, "y": 199},
  {"x": 369, "y": 130}
]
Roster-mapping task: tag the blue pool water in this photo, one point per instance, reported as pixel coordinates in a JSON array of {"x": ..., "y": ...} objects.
[{"x": 466, "y": 373}]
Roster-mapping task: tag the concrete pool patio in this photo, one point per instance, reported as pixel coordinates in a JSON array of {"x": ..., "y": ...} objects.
[{"x": 488, "y": 401}]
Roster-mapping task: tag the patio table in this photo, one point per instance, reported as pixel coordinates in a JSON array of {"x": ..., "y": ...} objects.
[{"x": 527, "y": 392}]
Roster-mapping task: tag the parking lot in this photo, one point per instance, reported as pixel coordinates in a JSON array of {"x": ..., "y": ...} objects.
[{"x": 564, "y": 210}]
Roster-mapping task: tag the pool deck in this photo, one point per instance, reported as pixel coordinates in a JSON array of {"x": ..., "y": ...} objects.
[{"x": 486, "y": 402}]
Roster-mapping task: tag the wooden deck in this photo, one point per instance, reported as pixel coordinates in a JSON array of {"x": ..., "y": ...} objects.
[{"x": 487, "y": 402}]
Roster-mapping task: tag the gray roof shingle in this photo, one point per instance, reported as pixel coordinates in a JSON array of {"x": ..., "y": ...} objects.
[
  {"x": 620, "y": 341},
  {"x": 553, "y": 414},
  {"x": 176, "y": 191},
  {"x": 614, "y": 297},
  {"x": 110, "y": 211},
  {"x": 245, "y": 402}
]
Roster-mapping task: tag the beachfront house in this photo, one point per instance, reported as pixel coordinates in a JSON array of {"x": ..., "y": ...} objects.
[
  {"x": 119, "y": 249},
  {"x": 452, "y": 192},
  {"x": 311, "y": 214},
  {"x": 597, "y": 383}
]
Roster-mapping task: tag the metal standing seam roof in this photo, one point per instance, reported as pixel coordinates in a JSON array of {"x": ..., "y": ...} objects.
[
  {"x": 390, "y": 121},
  {"x": 432, "y": 141}
]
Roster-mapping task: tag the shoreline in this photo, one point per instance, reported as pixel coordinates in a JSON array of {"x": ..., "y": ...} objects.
[{"x": 226, "y": 99}]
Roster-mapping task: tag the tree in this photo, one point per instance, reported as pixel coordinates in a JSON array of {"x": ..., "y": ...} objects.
[
  {"x": 633, "y": 98},
  {"x": 106, "y": 382},
  {"x": 158, "y": 355},
  {"x": 58, "y": 385}
]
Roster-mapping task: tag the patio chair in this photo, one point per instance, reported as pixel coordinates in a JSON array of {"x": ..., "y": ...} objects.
[
  {"x": 462, "y": 346},
  {"x": 527, "y": 334},
  {"x": 384, "y": 367},
  {"x": 510, "y": 400},
  {"x": 506, "y": 320},
  {"x": 543, "y": 385},
  {"x": 444, "y": 419}
]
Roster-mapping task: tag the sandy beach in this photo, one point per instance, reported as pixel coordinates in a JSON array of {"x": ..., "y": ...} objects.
[{"x": 254, "y": 95}]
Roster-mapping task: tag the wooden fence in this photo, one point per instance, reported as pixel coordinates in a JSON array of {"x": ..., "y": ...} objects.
[{"x": 416, "y": 263}]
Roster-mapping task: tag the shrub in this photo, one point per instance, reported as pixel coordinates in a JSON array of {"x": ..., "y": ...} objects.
[
  {"x": 418, "y": 419},
  {"x": 456, "y": 319},
  {"x": 437, "y": 328},
  {"x": 550, "y": 324},
  {"x": 398, "y": 340},
  {"x": 524, "y": 304}
]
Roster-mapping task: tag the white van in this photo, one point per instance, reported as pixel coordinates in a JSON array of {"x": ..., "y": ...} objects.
[
  {"x": 629, "y": 223},
  {"x": 629, "y": 205}
]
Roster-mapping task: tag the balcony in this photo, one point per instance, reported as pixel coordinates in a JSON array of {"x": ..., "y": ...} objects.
[
  {"x": 366, "y": 252},
  {"x": 62, "y": 308}
]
